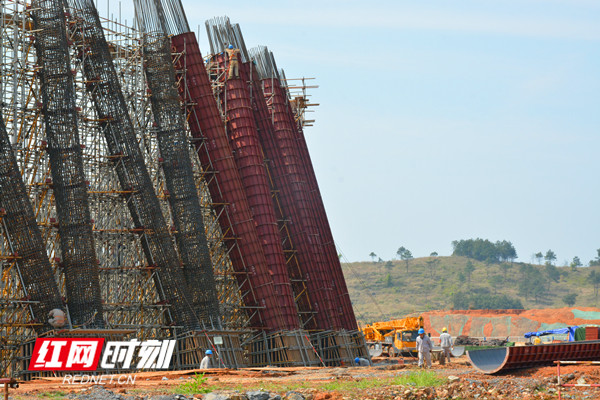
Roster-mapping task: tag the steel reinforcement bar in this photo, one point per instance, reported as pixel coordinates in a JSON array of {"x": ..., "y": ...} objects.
[
  {"x": 256, "y": 284},
  {"x": 66, "y": 163},
  {"x": 491, "y": 361},
  {"x": 24, "y": 238},
  {"x": 103, "y": 84},
  {"x": 177, "y": 168},
  {"x": 243, "y": 138}
]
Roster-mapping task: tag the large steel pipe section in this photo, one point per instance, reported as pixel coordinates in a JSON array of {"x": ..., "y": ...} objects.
[
  {"x": 290, "y": 175},
  {"x": 256, "y": 285},
  {"x": 247, "y": 151},
  {"x": 66, "y": 161},
  {"x": 490, "y": 361},
  {"x": 24, "y": 237}
]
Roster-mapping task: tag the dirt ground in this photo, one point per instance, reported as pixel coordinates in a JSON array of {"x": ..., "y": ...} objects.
[{"x": 460, "y": 381}]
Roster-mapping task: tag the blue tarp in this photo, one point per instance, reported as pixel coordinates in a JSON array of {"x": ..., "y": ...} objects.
[{"x": 569, "y": 330}]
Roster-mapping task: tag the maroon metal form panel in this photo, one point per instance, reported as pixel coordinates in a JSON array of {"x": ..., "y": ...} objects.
[
  {"x": 227, "y": 190},
  {"x": 243, "y": 138},
  {"x": 290, "y": 177},
  {"x": 342, "y": 297},
  {"x": 293, "y": 238},
  {"x": 503, "y": 359}
]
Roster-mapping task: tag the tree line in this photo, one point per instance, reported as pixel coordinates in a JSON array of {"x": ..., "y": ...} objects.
[{"x": 484, "y": 250}]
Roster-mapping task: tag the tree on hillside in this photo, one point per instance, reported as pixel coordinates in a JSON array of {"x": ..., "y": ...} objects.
[
  {"x": 484, "y": 250},
  {"x": 433, "y": 254},
  {"x": 495, "y": 281},
  {"x": 552, "y": 273},
  {"x": 469, "y": 268},
  {"x": 506, "y": 251},
  {"x": 550, "y": 257},
  {"x": 389, "y": 265},
  {"x": 575, "y": 263},
  {"x": 432, "y": 266},
  {"x": 570, "y": 299},
  {"x": 379, "y": 260},
  {"x": 388, "y": 280},
  {"x": 596, "y": 261},
  {"x": 461, "y": 277},
  {"x": 406, "y": 256},
  {"x": 538, "y": 291},
  {"x": 505, "y": 267},
  {"x": 373, "y": 256},
  {"x": 594, "y": 279},
  {"x": 400, "y": 251},
  {"x": 538, "y": 257}
]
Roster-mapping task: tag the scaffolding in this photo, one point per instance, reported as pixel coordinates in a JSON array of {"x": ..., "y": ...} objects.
[
  {"x": 130, "y": 202},
  {"x": 130, "y": 297}
]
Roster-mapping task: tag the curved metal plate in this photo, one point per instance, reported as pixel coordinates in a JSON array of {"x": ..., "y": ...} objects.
[
  {"x": 490, "y": 361},
  {"x": 457, "y": 351},
  {"x": 375, "y": 350}
]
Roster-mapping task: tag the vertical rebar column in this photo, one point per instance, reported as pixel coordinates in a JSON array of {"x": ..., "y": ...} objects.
[
  {"x": 226, "y": 188},
  {"x": 116, "y": 125},
  {"x": 292, "y": 177},
  {"x": 177, "y": 167},
  {"x": 66, "y": 164},
  {"x": 24, "y": 237}
]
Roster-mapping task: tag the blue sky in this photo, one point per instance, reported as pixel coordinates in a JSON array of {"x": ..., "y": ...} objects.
[{"x": 444, "y": 120}]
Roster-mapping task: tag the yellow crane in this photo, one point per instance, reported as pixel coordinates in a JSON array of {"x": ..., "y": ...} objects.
[{"x": 394, "y": 337}]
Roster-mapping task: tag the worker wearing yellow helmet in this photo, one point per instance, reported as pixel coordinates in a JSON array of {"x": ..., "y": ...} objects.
[{"x": 446, "y": 343}]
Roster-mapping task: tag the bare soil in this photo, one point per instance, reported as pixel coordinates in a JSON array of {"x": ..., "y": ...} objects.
[{"x": 338, "y": 383}]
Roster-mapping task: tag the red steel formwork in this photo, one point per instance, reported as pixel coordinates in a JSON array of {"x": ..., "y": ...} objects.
[
  {"x": 342, "y": 297},
  {"x": 289, "y": 177},
  {"x": 227, "y": 190},
  {"x": 295, "y": 242},
  {"x": 243, "y": 138}
]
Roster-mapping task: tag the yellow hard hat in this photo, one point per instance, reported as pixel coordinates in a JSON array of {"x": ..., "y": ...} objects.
[{"x": 444, "y": 329}]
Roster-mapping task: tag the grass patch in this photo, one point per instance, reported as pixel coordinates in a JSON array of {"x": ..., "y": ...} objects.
[
  {"x": 420, "y": 379},
  {"x": 54, "y": 395},
  {"x": 196, "y": 385},
  {"x": 416, "y": 379}
]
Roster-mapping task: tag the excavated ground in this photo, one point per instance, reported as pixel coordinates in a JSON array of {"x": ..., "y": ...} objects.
[{"x": 377, "y": 382}]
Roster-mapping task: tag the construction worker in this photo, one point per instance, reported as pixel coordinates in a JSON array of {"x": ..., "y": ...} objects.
[
  {"x": 424, "y": 346},
  {"x": 234, "y": 69},
  {"x": 206, "y": 362},
  {"x": 362, "y": 362},
  {"x": 446, "y": 343}
]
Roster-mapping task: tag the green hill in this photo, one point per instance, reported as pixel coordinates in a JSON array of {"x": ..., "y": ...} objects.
[{"x": 382, "y": 290}]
